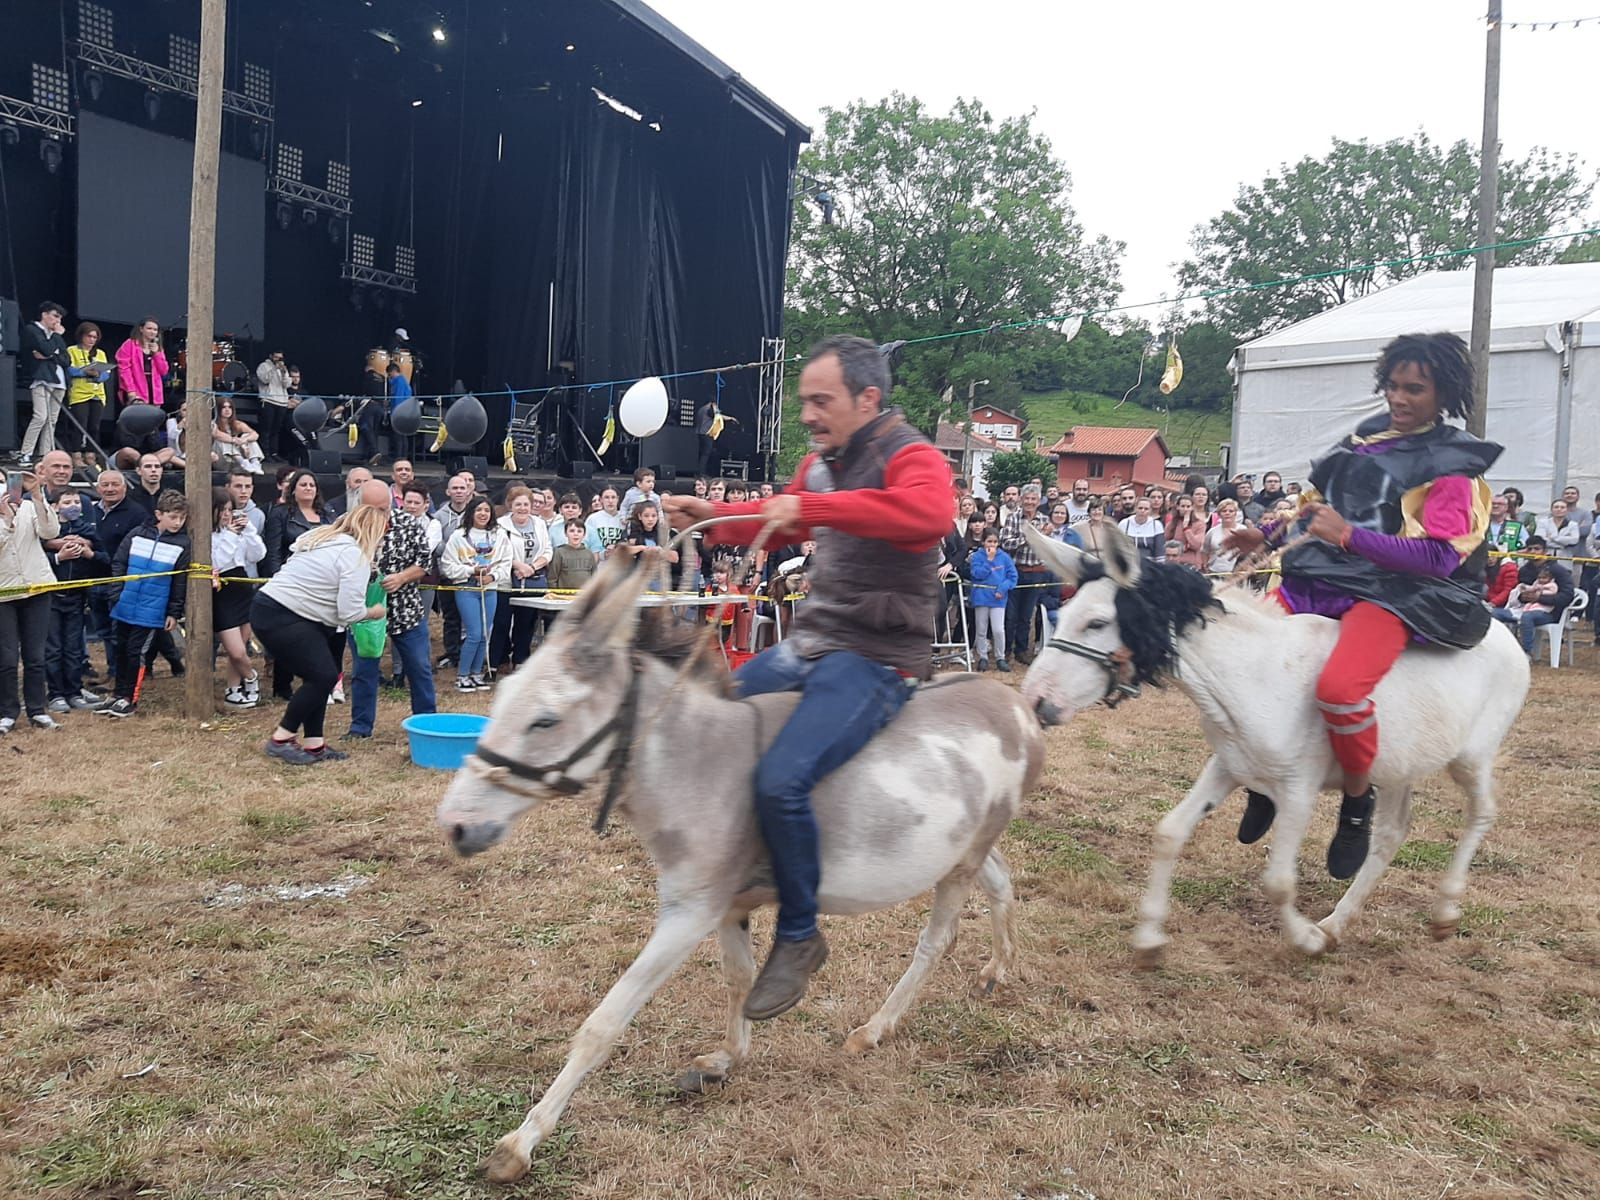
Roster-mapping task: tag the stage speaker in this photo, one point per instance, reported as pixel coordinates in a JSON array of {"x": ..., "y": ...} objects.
[
  {"x": 8, "y": 402},
  {"x": 478, "y": 465},
  {"x": 323, "y": 462},
  {"x": 667, "y": 473},
  {"x": 10, "y": 326},
  {"x": 673, "y": 446},
  {"x": 582, "y": 470}
]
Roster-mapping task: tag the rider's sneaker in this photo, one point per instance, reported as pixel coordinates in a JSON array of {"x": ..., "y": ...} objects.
[
  {"x": 1348, "y": 850},
  {"x": 983, "y": 665},
  {"x": 1001, "y": 664}
]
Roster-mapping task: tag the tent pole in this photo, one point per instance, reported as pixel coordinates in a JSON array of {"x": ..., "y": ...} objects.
[{"x": 1488, "y": 197}]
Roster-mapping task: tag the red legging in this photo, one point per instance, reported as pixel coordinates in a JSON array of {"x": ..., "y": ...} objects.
[{"x": 1370, "y": 640}]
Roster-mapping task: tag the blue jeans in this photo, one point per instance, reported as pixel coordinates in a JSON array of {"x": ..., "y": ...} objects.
[
  {"x": 477, "y": 617},
  {"x": 1527, "y": 625},
  {"x": 1021, "y": 606},
  {"x": 845, "y": 699},
  {"x": 65, "y": 661},
  {"x": 411, "y": 657}
]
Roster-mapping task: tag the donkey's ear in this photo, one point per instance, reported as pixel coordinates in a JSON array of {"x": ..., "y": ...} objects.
[
  {"x": 1118, "y": 552},
  {"x": 614, "y": 614},
  {"x": 1064, "y": 560}
]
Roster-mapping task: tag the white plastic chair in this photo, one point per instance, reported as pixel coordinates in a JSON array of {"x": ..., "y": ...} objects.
[{"x": 1556, "y": 630}]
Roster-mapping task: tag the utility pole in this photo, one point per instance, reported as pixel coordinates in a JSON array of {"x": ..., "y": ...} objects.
[
  {"x": 1488, "y": 204},
  {"x": 966, "y": 454},
  {"x": 199, "y": 699}
]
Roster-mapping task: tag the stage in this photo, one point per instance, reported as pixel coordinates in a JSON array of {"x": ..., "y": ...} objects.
[{"x": 550, "y": 197}]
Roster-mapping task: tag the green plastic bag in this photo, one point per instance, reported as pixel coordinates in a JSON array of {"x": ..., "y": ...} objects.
[{"x": 369, "y": 636}]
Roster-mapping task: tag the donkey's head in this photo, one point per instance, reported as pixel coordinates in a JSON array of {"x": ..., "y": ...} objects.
[
  {"x": 1120, "y": 630},
  {"x": 555, "y": 721}
]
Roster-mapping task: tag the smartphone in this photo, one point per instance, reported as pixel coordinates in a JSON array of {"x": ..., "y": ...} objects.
[{"x": 14, "y": 487}]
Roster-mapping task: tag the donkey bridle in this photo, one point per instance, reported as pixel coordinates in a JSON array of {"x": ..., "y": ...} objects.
[
  {"x": 621, "y": 724},
  {"x": 1117, "y": 688}
]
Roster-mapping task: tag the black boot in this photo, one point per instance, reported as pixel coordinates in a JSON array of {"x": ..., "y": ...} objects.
[
  {"x": 1348, "y": 850},
  {"x": 1259, "y": 812}
]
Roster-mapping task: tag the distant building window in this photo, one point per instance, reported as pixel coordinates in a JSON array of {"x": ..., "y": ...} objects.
[{"x": 1097, "y": 468}]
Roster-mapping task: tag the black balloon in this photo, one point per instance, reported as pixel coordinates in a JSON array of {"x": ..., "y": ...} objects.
[
  {"x": 139, "y": 421},
  {"x": 406, "y": 419},
  {"x": 310, "y": 414},
  {"x": 466, "y": 422}
]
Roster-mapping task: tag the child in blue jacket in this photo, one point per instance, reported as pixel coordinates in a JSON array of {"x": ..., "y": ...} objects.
[
  {"x": 993, "y": 577},
  {"x": 141, "y": 608}
]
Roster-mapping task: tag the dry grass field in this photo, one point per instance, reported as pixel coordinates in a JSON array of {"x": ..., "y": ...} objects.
[{"x": 173, "y": 1027}]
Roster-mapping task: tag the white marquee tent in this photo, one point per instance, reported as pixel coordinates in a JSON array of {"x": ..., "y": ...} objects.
[{"x": 1299, "y": 390}]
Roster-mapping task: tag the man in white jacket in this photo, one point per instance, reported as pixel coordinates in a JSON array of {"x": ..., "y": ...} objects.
[{"x": 272, "y": 385}]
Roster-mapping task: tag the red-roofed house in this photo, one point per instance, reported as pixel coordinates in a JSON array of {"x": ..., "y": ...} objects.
[
  {"x": 968, "y": 454},
  {"x": 995, "y": 423},
  {"x": 1110, "y": 457}
]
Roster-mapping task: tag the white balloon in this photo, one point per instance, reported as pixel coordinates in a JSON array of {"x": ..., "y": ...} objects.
[{"x": 644, "y": 407}]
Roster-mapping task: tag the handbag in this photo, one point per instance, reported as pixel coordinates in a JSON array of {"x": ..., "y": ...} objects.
[{"x": 369, "y": 636}]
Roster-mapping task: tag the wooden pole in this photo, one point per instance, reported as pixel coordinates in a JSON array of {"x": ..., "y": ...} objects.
[
  {"x": 1488, "y": 205},
  {"x": 199, "y": 696}
]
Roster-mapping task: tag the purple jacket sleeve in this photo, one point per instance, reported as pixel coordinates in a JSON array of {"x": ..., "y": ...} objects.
[{"x": 1414, "y": 556}]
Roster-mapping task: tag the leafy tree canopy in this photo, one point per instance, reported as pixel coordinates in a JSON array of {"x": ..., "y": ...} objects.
[
  {"x": 941, "y": 223},
  {"x": 1007, "y": 467},
  {"x": 1371, "y": 203}
]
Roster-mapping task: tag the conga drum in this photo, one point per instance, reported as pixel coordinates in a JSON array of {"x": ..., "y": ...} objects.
[
  {"x": 378, "y": 360},
  {"x": 402, "y": 359}
]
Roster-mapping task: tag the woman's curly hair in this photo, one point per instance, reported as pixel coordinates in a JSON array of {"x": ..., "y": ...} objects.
[{"x": 1443, "y": 357}]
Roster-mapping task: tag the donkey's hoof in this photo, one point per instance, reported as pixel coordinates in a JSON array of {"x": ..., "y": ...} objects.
[
  {"x": 507, "y": 1163},
  {"x": 1443, "y": 931},
  {"x": 1330, "y": 935},
  {"x": 986, "y": 986},
  {"x": 695, "y": 1082},
  {"x": 860, "y": 1041},
  {"x": 1315, "y": 942},
  {"x": 1147, "y": 957}
]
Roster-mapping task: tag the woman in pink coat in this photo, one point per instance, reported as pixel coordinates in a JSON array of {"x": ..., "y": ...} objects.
[{"x": 141, "y": 363}]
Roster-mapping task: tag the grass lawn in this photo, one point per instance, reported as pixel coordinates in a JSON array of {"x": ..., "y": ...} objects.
[
  {"x": 179, "y": 1019},
  {"x": 1187, "y": 431}
]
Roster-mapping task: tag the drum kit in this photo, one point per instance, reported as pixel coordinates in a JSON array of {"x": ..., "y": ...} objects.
[{"x": 228, "y": 374}]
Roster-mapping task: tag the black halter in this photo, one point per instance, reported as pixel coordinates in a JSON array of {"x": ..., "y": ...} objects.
[
  {"x": 621, "y": 724},
  {"x": 1117, "y": 690}
]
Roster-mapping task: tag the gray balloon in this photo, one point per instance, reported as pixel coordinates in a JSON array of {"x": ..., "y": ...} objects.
[
  {"x": 466, "y": 421},
  {"x": 406, "y": 419},
  {"x": 138, "y": 421},
  {"x": 310, "y": 414}
]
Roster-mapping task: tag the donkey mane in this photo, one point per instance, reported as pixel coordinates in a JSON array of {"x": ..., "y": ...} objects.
[
  {"x": 1154, "y": 613},
  {"x": 664, "y": 637}
]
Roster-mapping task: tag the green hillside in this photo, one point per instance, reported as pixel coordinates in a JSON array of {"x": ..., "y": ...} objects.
[{"x": 1195, "y": 432}]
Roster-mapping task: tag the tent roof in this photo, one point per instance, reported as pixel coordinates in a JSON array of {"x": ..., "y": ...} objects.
[{"x": 1525, "y": 298}]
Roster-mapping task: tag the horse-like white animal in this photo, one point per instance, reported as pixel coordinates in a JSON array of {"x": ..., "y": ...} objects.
[
  {"x": 920, "y": 807},
  {"x": 1251, "y": 669}
]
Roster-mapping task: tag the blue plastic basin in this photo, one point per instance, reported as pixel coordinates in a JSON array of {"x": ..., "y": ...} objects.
[{"x": 443, "y": 740}]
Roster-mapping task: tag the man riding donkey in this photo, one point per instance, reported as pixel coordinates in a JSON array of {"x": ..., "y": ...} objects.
[
  {"x": 1391, "y": 544},
  {"x": 875, "y": 496}
]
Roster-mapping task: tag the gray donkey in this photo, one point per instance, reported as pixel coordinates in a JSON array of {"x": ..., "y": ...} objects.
[{"x": 920, "y": 807}]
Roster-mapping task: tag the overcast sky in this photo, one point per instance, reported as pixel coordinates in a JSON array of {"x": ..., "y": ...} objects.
[{"x": 1226, "y": 90}]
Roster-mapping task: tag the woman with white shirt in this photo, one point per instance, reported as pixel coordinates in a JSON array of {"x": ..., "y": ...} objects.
[
  {"x": 1220, "y": 560},
  {"x": 531, "y": 550},
  {"x": 236, "y": 548},
  {"x": 478, "y": 555},
  {"x": 1561, "y": 531},
  {"x": 25, "y": 619},
  {"x": 298, "y": 615},
  {"x": 1146, "y": 529}
]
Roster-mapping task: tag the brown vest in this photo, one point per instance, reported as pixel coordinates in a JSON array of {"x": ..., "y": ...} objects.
[{"x": 868, "y": 596}]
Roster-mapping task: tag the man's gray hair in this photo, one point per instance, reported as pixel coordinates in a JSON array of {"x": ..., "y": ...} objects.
[
  {"x": 1031, "y": 489},
  {"x": 860, "y": 363}
]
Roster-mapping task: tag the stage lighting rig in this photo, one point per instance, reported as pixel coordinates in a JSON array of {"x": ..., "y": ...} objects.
[
  {"x": 285, "y": 216},
  {"x": 10, "y": 135},
  {"x": 308, "y": 217},
  {"x": 152, "y": 105},
  {"x": 438, "y": 35},
  {"x": 94, "y": 85},
  {"x": 50, "y": 154}
]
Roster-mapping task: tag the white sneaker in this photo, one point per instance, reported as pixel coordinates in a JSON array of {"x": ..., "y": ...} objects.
[
  {"x": 338, "y": 693},
  {"x": 252, "y": 687},
  {"x": 7, "y": 724},
  {"x": 235, "y": 697},
  {"x": 481, "y": 684},
  {"x": 464, "y": 684},
  {"x": 43, "y": 721}
]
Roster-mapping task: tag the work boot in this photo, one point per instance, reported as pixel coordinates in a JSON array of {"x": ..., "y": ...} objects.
[
  {"x": 1259, "y": 811},
  {"x": 1348, "y": 850},
  {"x": 784, "y": 979}
]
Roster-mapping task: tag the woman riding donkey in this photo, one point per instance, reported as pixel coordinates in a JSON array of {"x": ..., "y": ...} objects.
[{"x": 1391, "y": 544}]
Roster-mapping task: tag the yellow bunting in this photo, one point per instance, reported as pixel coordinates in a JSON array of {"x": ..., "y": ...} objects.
[{"x": 1173, "y": 375}]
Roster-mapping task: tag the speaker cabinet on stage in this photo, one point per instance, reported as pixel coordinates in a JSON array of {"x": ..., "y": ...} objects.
[
  {"x": 10, "y": 326},
  {"x": 582, "y": 471},
  {"x": 673, "y": 448},
  {"x": 8, "y": 401},
  {"x": 478, "y": 465},
  {"x": 323, "y": 462}
]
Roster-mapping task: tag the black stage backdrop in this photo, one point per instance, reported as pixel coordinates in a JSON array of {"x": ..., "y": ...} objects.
[{"x": 548, "y": 227}]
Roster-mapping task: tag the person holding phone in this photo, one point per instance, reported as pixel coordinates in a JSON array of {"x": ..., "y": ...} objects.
[{"x": 26, "y": 521}]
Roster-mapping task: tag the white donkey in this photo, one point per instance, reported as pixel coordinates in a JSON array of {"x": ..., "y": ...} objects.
[
  {"x": 1251, "y": 669},
  {"x": 920, "y": 807}
]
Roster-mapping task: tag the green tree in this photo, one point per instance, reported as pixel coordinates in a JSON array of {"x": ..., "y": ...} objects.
[
  {"x": 1587, "y": 250},
  {"x": 1007, "y": 467},
  {"x": 941, "y": 224},
  {"x": 1371, "y": 203}
]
